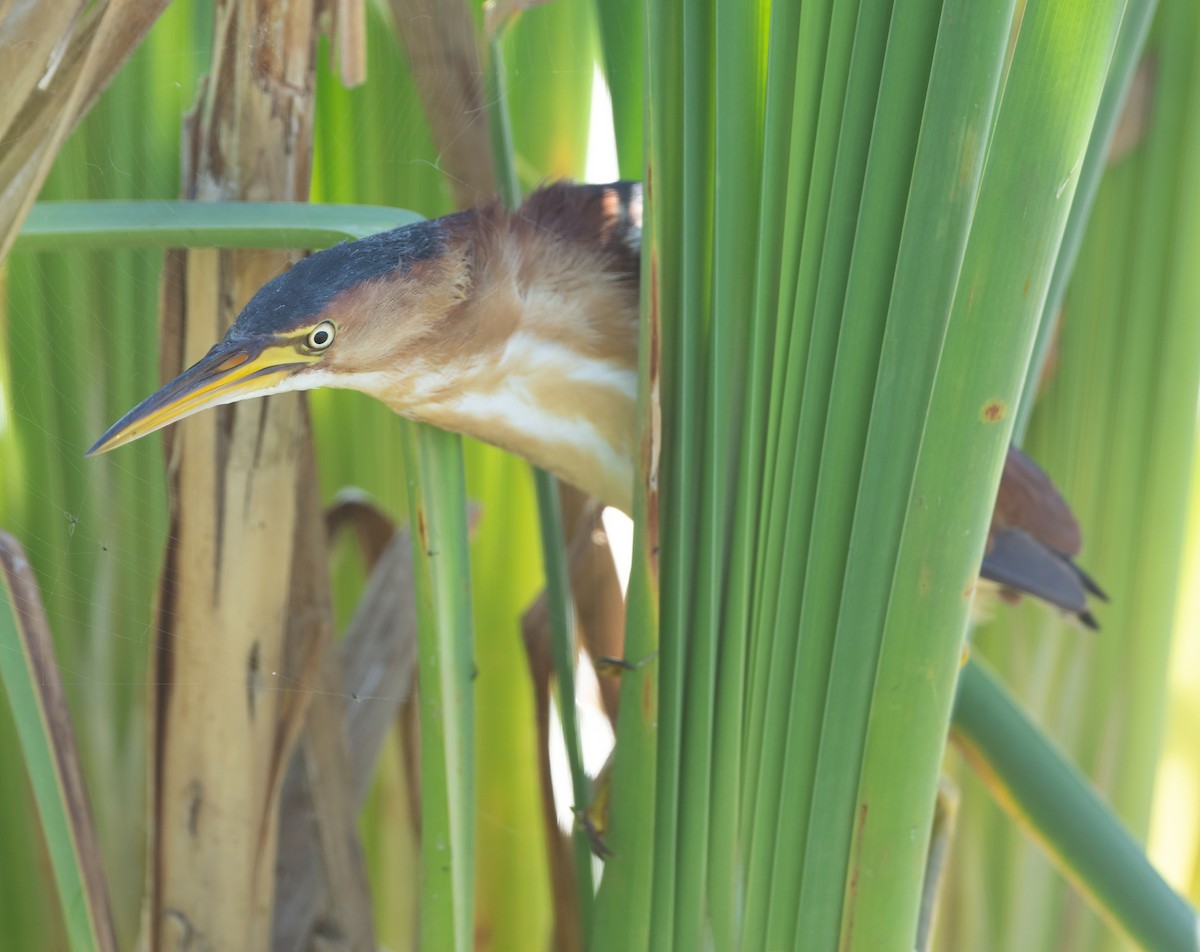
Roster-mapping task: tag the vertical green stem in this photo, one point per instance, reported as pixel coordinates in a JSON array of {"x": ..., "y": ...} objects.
[
  {"x": 562, "y": 649},
  {"x": 558, "y": 583},
  {"x": 1043, "y": 791},
  {"x": 437, "y": 503}
]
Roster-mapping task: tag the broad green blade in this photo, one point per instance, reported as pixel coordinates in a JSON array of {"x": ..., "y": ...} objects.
[
  {"x": 1121, "y": 72},
  {"x": 550, "y": 59},
  {"x": 33, "y": 685},
  {"x": 1115, "y": 425},
  {"x": 720, "y": 640},
  {"x": 993, "y": 321},
  {"x": 53, "y": 226}
]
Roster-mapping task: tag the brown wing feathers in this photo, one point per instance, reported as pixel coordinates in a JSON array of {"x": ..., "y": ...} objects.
[{"x": 1032, "y": 539}]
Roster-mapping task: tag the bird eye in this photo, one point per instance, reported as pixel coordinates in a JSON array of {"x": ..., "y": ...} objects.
[{"x": 321, "y": 336}]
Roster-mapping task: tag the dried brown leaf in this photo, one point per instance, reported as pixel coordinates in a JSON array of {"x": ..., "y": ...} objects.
[
  {"x": 535, "y": 627},
  {"x": 56, "y": 63},
  {"x": 440, "y": 43},
  {"x": 376, "y": 669}
]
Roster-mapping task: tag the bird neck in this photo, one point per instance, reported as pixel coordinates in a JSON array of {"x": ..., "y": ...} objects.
[
  {"x": 543, "y": 358},
  {"x": 568, "y": 412}
]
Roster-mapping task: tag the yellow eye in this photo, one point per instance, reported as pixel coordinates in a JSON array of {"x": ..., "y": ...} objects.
[{"x": 321, "y": 336}]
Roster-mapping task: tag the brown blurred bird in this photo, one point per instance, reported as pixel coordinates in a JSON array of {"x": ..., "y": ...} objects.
[
  {"x": 521, "y": 329},
  {"x": 1032, "y": 540}
]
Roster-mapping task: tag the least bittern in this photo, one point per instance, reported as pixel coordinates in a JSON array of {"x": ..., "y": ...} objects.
[{"x": 521, "y": 329}]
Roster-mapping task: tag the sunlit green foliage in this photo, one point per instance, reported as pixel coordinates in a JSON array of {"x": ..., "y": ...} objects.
[{"x": 855, "y": 215}]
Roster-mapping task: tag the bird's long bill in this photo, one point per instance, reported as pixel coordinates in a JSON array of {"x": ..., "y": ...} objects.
[{"x": 227, "y": 373}]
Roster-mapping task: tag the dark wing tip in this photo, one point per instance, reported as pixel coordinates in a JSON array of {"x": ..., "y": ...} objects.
[
  {"x": 1018, "y": 561},
  {"x": 1089, "y": 583}
]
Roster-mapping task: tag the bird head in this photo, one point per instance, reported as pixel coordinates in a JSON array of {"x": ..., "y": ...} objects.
[{"x": 333, "y": 319}]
